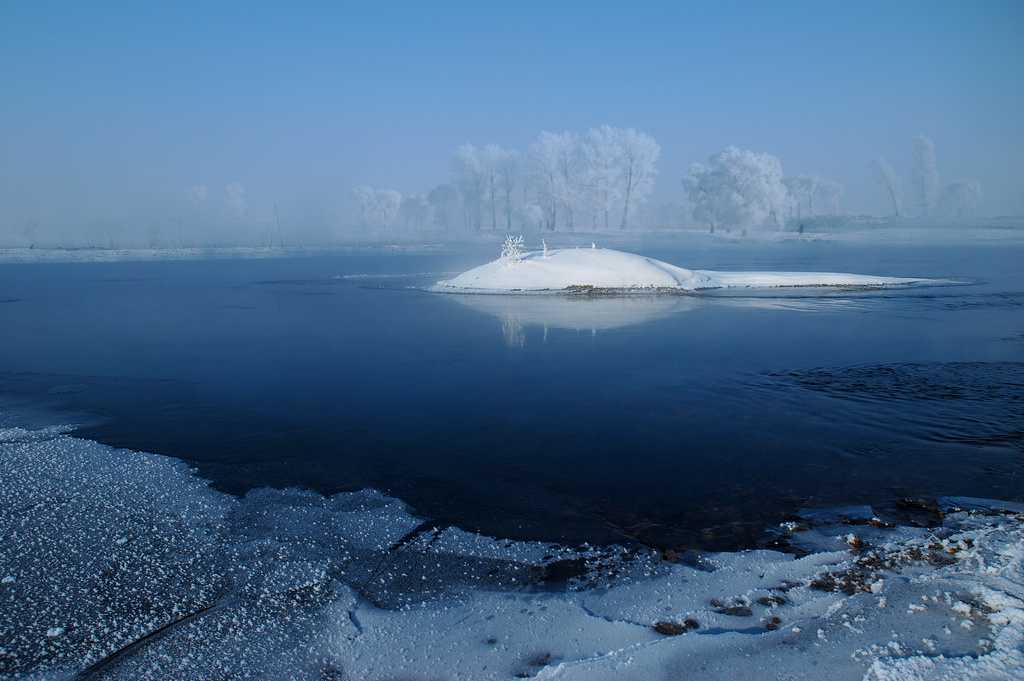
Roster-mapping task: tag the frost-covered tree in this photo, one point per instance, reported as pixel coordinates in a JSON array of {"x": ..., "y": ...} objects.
[
  {"x": 828, "y": 193},
  {"x": 960, "y": 196},
  {"x": 508, "y": 177},
  {"x": 553, "y": 168},
  {"x": 811, "y": 188},
  {"x": 887, "y": 177},
  {"x": 707, "y": 199},
  {"x": 638, "y": 158},
  {"x": 498, "y": 170},
  {"x": 740, "y": 188},
  {"x": 512, "y": 250},
  {"x": 542, "y": 171},
  {"x": 375, "y": 207},
  {"x": 470, "y": 180},
  {"x": 617, "y": 174},
  {"x": 364, "y": 205},
  {"x": 444, "y": 204},
  {"x": 490, "y": 159},
  {"x": 415, "y": 211},
  {"x": 388, "y": 203},
  {"x": 568, "y": 186},
  {"x": 603, "y": 181},
  {"x": 802, "y": 188},
  {"x": 531, "y": 214},
  {"x": 926, "y": 172}
]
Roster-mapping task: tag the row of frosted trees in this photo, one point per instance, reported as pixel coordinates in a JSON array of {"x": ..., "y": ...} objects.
[
  {"x": 601, "y": 178},
  {"x": 745, "y": 190},
  {"x": 955, "y": 198}
]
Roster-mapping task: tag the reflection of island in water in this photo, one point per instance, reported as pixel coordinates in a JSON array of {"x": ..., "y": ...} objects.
[{"x": 577, "y": 312}]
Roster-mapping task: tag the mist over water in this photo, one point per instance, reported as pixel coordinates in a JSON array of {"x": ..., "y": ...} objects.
[{"x": 683, "y": 421}]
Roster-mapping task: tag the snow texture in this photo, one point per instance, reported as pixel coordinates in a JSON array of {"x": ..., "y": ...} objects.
[
  {"x": 611, "y": 270},
  {"x": 123, "y": 565}
]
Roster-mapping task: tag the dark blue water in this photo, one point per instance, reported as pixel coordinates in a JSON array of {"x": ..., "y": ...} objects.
[{"x": 682, "y": 421}]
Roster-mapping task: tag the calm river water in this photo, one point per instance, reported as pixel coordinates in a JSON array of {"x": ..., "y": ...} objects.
[{"x": 682, "y": 421}]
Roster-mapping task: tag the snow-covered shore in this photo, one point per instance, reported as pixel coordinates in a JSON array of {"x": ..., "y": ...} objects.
[
  {"x": 611, "y": 270},
  {"x": 122, "y": 564}
]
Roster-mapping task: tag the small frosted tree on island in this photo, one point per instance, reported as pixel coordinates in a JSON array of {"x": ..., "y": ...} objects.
[{"x": 512, "y": 250}]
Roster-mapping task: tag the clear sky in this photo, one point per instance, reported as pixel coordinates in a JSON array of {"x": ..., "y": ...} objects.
[{"x": 117, "y": 109}]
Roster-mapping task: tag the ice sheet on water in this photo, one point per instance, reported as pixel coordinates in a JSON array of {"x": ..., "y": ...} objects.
[
  {"x": 123, "y": 565},
  {"x": 101, "y": 544}
]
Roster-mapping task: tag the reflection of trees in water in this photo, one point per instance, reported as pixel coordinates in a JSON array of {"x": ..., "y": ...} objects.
[{"x": 514, "y": 331}]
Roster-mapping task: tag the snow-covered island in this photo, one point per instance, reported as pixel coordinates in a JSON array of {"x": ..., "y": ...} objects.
[{"x": 600, "y": 269}]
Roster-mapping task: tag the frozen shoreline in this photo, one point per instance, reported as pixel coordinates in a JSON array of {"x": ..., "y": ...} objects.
[{"x": 101, "y": 547}]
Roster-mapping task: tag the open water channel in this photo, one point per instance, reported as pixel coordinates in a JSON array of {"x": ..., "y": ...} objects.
[{"x": 679, "y": 421}]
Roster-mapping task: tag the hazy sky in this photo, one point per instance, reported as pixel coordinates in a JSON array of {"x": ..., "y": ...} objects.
[{"x": 119, "y": 108}]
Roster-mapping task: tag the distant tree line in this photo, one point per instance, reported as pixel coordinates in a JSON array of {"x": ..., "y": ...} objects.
[
  {"x": 957, "y": 197},
  {"x": 598, "y": 181},
  {"x": 563, "y": 180}
]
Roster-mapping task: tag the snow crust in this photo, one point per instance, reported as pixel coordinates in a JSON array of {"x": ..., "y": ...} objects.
[
  {"x": 123, "y": 565},
  {"x": 606, "y": 269}
]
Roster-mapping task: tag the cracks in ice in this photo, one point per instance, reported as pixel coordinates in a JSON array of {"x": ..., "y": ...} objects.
[
  {"x": 610, "y": 620},
  {"x": 355, "y": 623},
  {"x": 127, "y": 651}
]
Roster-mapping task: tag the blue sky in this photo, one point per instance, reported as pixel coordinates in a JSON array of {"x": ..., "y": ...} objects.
[{"x": 116, "y": 109}]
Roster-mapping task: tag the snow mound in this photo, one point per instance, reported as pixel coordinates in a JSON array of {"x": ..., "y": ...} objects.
[
  {"x": 576, "y": 268},
  {"x": 609, "y": 270}
]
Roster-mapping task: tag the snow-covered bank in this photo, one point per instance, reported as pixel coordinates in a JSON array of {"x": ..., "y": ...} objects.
[
  {"x": 124, "y": 565},
  {"x": 611, "y": 270}
]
